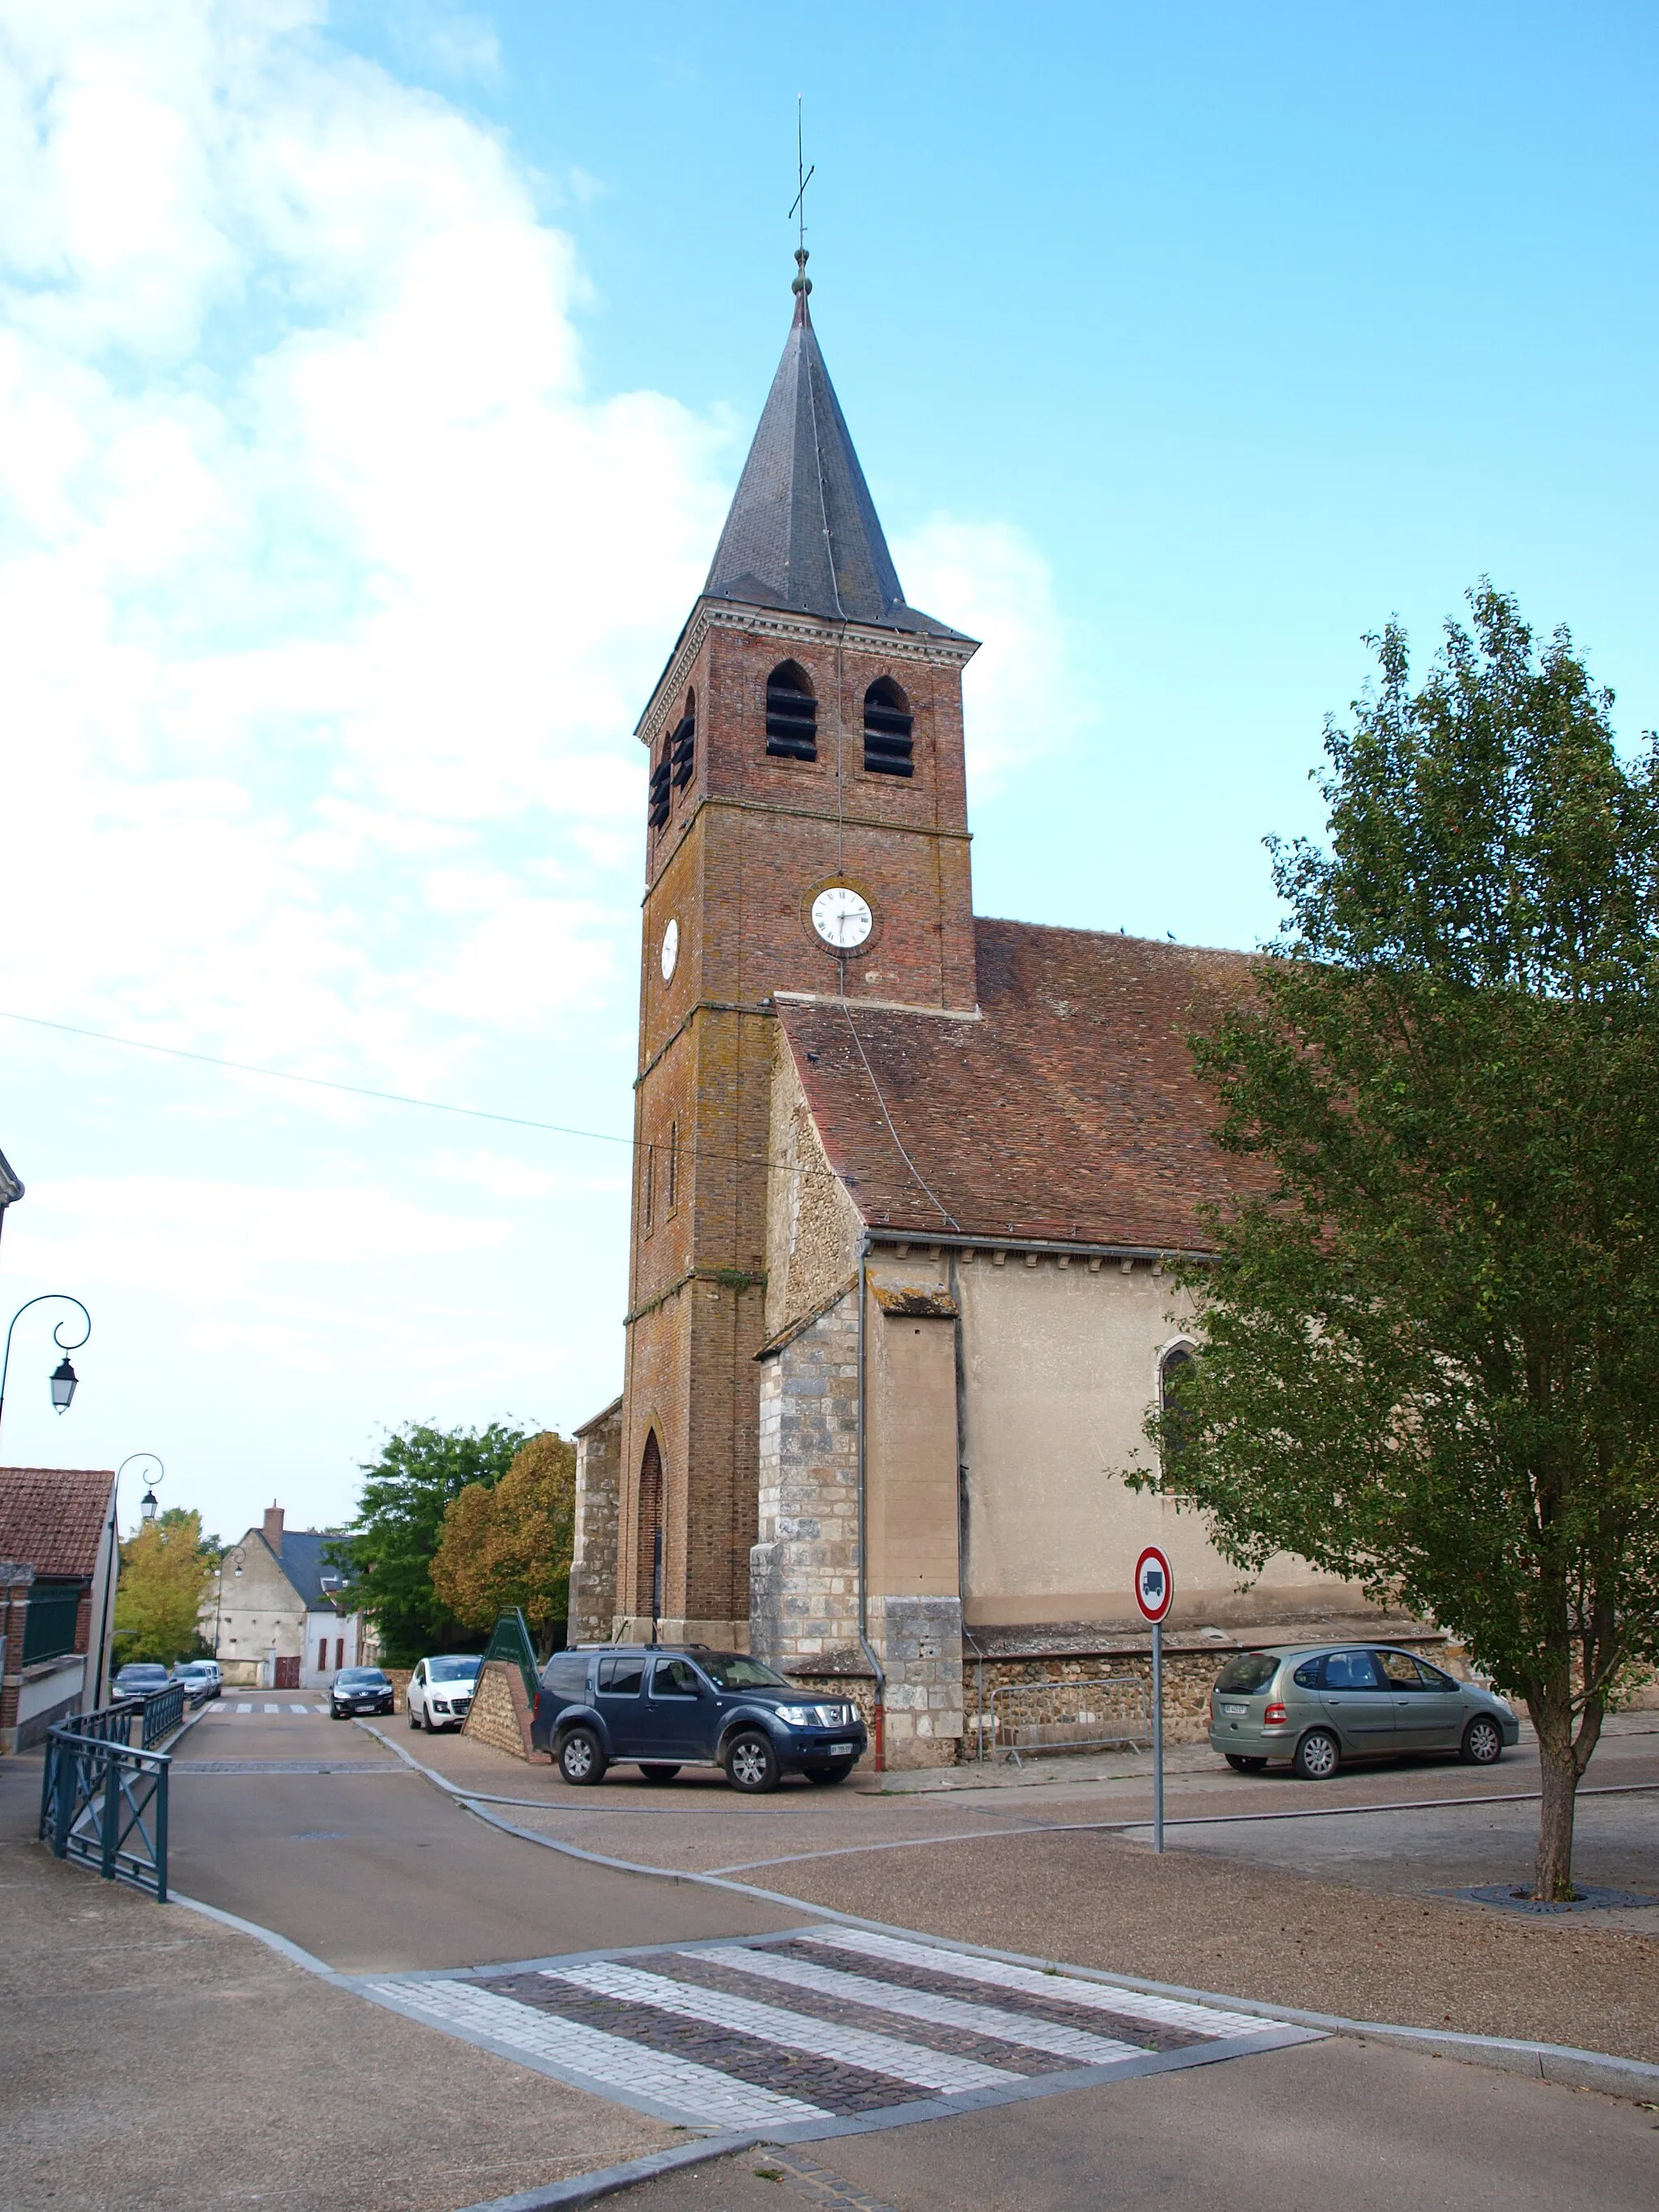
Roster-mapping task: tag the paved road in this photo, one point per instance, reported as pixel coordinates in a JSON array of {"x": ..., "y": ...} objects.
[{"x": 378, "y": 1874}]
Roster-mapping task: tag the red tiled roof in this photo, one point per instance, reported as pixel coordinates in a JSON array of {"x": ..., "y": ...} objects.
[
  {"x": 54, "y": 1518},
  {"x": 1070, "y": 1113}
]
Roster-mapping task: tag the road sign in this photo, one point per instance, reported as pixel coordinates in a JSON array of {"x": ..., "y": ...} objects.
[{"x": 1154, "y": 1584}]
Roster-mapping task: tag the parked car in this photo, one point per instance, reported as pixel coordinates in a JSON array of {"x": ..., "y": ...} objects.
[
  {"x": 359, "y": 1690},
  {"x": 440, "y": 1690},
  {"x": 1318, "y": 1706},
  {"x": 140, "y": 1678},
  {"x": 200, "y": 1678},
  {"x": 663, "y": 1707}
]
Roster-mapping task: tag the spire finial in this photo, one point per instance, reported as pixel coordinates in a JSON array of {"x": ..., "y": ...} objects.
[{"x": 803, "y": 283}]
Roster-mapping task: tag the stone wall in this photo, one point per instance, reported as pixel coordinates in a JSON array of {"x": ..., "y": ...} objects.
[
  {"x": 593, "y": 1563},
  {"x": 501, "y": 1711},
  {"x": 803, "y": 1573}
]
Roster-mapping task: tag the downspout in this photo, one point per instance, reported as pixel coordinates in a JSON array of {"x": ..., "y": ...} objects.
[{"x": 865, "y": 1645}]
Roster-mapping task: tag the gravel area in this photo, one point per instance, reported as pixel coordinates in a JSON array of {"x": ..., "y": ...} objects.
[{"x": 1250, "y": 1931}]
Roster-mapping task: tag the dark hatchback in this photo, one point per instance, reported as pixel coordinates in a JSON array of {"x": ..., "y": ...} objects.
[
  {"x": 359, "y": 1690},
  {"x": 661, "y": 1708}
]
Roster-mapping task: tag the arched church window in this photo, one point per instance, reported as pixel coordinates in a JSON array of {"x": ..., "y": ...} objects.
[
  {"x": 648, "y": 1576},
  {"x": 791, "y": 714},
  {"x": 887, "y": 727},
  {"x": 1173, "y": 1368},
  {"x": 682, "y": 745},
  {"x": 661, "y": 792}
]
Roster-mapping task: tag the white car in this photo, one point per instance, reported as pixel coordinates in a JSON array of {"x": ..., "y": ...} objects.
[
  {"x": 200, "y": 1678},
  {"x": 440, "y": 1690}
]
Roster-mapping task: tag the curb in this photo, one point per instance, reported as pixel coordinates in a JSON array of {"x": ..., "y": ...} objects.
[
  {"x": 588, "y": 2188},
  {"x": 1558, "y": 2063}
]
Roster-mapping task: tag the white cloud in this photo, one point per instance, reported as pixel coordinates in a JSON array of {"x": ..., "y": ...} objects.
[{"x": 1022, "y": 699}]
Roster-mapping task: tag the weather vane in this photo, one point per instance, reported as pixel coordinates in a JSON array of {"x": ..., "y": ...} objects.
[{"x": 804, "y": 176}]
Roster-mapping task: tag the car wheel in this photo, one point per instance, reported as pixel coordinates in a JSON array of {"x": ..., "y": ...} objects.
[
  {"x": 833, "y": 1771},
  {"x": 1317, "y": 1756},
  {"x": 750, "y": 1763},
  {"x": 655, "y": 1770},
  {"x": 581, "y": 1758},
  {"x": 1241, "y": 1765},
  {"x": 1483, "y": 1741}
]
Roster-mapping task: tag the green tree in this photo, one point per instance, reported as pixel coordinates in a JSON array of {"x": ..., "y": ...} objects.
[
  {"x": 511, "y": 1544},
  {"x": 166, "y": 1569},
  {"x": 1431, "y": 1356},
  {"x": 399, "y": 1522}
]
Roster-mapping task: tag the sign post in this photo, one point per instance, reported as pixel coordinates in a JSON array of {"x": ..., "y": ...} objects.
[{"x": 1154, "y": 1594}]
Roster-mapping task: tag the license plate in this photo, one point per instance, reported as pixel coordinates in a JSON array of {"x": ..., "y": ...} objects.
[
  {"x": 1234, "y": 1712},
  {"x": 840, "y": 1751}
]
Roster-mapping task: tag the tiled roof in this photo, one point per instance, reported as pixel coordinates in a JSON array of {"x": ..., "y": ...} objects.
[
  {"x": 55, "y": 1517},
  {"x": 305, "y": 1561},
  {"x": 1069, "y": 1112},
  {"x": 803, "y": 532}
]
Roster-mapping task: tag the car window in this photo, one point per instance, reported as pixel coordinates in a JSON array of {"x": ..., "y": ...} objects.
[
  {"x": 1247, "y": 1673},
  {"x": 1433, "y": 1678},
  {"x": 566, "y": 1675},
  {"x": 1401, "y": 1670},
  {"x": 674, "y": 1678},
  {"x": 1349, "y": 1670},
  {"x": 459, "y": 1669},
  {"x": 1306, "y": 1676},
  {"x": 735, "y": 1670},
  {"x": 623, "y": 1676}
]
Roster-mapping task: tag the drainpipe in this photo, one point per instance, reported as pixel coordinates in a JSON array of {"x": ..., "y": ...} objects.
[{"x": 876, "y": 1666}]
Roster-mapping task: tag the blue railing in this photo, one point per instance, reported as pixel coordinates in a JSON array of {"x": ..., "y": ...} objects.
[{"x": 103, "y": 1799}]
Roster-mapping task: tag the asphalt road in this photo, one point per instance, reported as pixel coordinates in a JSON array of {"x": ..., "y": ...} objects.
[{"x": 376, "y": 1871}]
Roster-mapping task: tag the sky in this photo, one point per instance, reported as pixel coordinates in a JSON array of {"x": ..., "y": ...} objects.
[{"x": 373, "y": 377}]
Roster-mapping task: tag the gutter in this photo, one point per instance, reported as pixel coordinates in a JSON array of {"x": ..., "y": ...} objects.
[{"x": 865, "y": 1645}]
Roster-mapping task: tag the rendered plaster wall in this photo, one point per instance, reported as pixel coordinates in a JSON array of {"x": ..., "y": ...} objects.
[
  {"x": 259, "y": 1615},
  {"x": 1059, "y": 1370},
  {"x": 594, "y": 1561},
  {"x": 812, "y": 1229}
]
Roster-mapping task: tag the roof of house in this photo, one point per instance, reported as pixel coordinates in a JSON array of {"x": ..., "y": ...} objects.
[
  {"x": 55, "y": 1517},
  {"x": 1068, "y": 1113},
  {"x": 10, "y": 1188},
  {"x": 304, "y": 1560},
  {"x": 803, "y": 533}
]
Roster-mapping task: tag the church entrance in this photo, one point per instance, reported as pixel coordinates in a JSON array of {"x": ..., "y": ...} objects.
[{"x": 649, "y": 1573}]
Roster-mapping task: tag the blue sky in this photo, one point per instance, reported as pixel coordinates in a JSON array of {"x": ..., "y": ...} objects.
[{"x": 372, "y": 379}]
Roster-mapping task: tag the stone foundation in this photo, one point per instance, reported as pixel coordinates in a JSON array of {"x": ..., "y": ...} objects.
[{"x": 500, "y": 1710}]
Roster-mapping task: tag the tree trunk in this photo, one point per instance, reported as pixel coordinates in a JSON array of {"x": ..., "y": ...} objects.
[{"x": 1560, "y": 1768}]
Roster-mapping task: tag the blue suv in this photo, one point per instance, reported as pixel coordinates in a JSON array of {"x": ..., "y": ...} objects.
[{"x": 662, "y": 1707}]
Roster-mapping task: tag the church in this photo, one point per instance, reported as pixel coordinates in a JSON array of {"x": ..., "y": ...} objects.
[{"x": 906, "y": 1180}]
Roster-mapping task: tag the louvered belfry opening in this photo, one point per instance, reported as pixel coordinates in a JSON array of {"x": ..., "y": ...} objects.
[
  {"x": 791, "y": 714},
  {"x": 661, "y": 792},
  {"x": 682, "y": 744},
  {"x": 887, "y": 727}
]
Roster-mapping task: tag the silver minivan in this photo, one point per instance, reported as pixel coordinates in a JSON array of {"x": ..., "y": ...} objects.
[{"x": 1318, "y": 1706}]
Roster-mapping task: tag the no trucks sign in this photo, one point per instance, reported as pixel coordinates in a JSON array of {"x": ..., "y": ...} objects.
[{"x": 1154, "y": 1584}]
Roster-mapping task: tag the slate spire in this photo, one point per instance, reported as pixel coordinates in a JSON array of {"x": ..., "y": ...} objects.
[{"x": 803, "y": 533}]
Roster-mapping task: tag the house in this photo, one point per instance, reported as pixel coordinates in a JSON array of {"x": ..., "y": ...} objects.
[
  {"x": 279, "y": 1615},
  {"x": 908, "y": 1180},
  {"x": 59, "y": 1556}
]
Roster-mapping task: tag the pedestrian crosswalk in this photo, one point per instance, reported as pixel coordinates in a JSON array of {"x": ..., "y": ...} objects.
[
  {"x": 821, "y": 2028},
  {"x": 260, "y": 1705}
]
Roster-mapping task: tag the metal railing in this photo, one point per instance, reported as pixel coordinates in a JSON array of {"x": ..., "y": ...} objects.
[
  {"x": 104, "y": 1801},
  {"x": 510, "y": 1641},
  {"x": 1023, "y": 1718},
  {"x": 163, "y": 1711}
]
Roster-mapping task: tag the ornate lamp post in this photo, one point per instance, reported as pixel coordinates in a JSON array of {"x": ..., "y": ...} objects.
[
  {"x": 115, "y": 1547},
  {"x": 64, "y": 1376}
]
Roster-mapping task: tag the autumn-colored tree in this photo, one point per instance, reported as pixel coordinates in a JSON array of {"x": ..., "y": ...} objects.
[
  {"x": 510, "y": 1543},
  {"x": 166, "y": 1570}
]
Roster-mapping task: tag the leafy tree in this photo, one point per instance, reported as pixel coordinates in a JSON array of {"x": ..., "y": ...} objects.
[
  {"x": 400, "y": 1521},
  {"x": 1431, "y": 1337},
  {"x": 166, "y": 1569},
  {"x": 511, "y": 1545}
]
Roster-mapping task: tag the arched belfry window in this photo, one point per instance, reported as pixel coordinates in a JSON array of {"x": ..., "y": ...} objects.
[
  {"x": 1173, "y": 1368},
  {"x": 682, "y": 745},
  {"x": 661, "y": 792},
  {"x": 887, "y": 725},
  {"x": 791, "y": 714},
  {"x": 648, "y": 1579}
]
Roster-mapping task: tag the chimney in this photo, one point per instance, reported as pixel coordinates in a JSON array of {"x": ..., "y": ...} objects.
[{"x": 274, "y": 1528}]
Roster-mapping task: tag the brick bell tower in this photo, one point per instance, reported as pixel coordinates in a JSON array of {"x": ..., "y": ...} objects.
[{"x": 807, "y": 833}]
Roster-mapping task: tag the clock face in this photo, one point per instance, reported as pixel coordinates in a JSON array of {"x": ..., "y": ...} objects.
[
  {"x": 842, "y": 917},
  {"x": 671, "y": 949}
]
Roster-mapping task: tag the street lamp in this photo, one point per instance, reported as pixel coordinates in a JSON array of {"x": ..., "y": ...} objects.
[
  {"x": 115, "y": 1543},
  {"x": 63, "y": 1378}
]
